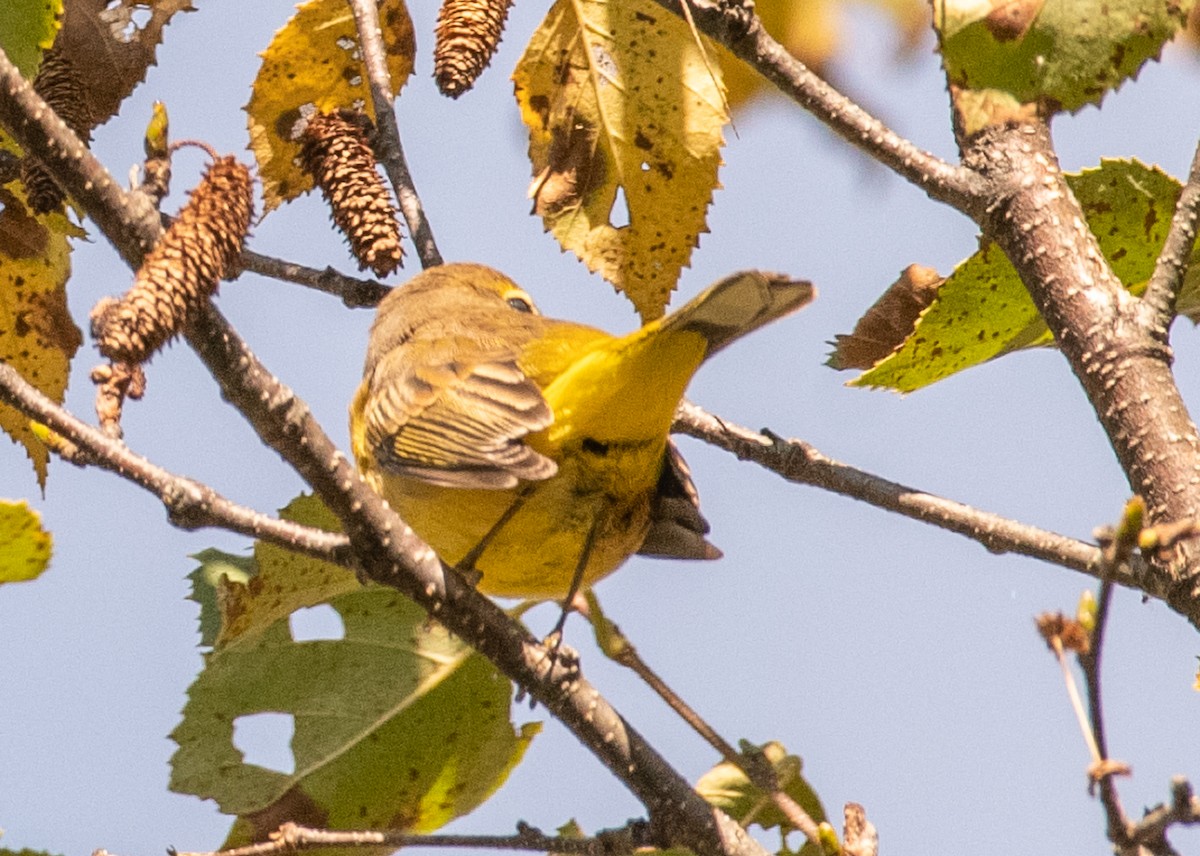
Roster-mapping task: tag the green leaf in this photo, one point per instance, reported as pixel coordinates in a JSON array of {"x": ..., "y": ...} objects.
[
  {"x": 287, "y": 580},
  {"x": 728, "y": 788},
  {"x": 983, "y": 309},
  {"x": 218, "y": 575},
  {"x": 396, "y": 725},
  {"x": 27, "y": 28},
  {"x": 24, "y": 545},
  {"x": 1062, "y": 54}
]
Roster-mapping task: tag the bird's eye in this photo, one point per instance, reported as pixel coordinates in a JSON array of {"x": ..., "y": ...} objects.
[{"x": 521, "y": 304}]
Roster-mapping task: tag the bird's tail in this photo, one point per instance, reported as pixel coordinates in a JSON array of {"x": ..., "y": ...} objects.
[{"x": 739, "y": 304}]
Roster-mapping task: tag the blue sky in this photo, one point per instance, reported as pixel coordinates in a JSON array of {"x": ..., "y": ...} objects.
[{"x": 900, "y": 662}]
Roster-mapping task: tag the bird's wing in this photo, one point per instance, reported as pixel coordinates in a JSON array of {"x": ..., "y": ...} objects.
[
  {"x": 677, "y": 528},
  {"x": 455, "y": 424}
]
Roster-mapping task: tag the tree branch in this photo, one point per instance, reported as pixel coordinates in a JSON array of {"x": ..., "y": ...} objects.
[
  {"x": 801, "y": 463},
  {"x": 736, "y": 25},
  {"x": 353, "y": 291},
  {"x": 293, "y": 838},
  {"x": 370, "y": 39},
  {"x": 189, "y": 503},
  {"x": 1151, "y": 831},
  {"x": 758, "y": 769},
  {"x": 1163, "y": 290},
  {"x": 1123, "y": 366}
]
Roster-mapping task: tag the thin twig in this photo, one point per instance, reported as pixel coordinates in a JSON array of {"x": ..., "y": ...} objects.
[
  {"x": 1118, "y": 821},
  {"x": 292, "y": 838},
  {"x": 1151, "y": 831},
  {"x": 1162, "y": 292},
  {"x": 1121, "y": 542},
  {"x": 1118, "y": 545},
  {"x": 353, "y": 291},
  {"x": 800, "y": 463},
  {"x": 737, "y": 26},
  {"x": 758, "y": 769},
  {"x": 1091, "y": 667},
  {"x": 189, "y": 503},
  {"x": 370, "y": 39}
]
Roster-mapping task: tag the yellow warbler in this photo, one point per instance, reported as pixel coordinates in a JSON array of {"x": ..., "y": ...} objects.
[{"x": 535, "y": 451}]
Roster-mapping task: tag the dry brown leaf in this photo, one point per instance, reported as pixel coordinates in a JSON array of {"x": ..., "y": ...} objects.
[
  {"x": 110, "y": 50},
  {"x": 889, "y": 321}
]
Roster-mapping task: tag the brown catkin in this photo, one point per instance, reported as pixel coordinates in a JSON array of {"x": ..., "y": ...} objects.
[
  {"x": 185, "y": 266},
  {"x": 61, "y": 88},
  {"x": 468, "y": 33},
  {"x": 335, "y": 150}
]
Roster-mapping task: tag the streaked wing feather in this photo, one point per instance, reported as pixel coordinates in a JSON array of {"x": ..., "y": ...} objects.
[{"x": 458, "y": 426}]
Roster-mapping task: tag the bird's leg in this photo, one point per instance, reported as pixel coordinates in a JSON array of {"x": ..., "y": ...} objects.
[
  {"x": 554, "y": 641},
  {"x": 466, "y": 565}
]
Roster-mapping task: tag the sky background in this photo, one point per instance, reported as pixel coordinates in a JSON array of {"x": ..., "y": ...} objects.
[{"x": 899, "y": 661}]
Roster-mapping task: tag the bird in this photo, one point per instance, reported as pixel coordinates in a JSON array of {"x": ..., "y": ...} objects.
[{"x": 532, "y": 453}]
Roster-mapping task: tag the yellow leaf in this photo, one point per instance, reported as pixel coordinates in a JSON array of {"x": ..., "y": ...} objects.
[
  {"x": 620, "y": 100},
  {"x": 38, "y": 338},
  {"x": 24, "y": 544},
  {"x": 314, "y": 64}
]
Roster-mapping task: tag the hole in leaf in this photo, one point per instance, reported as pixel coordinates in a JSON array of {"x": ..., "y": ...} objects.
[
  {"x": 140, "y": 16},
  {"x": 265, "y": 739},
  {"x": 618, "y": 217},
  {"x": 316, "y": 622}
]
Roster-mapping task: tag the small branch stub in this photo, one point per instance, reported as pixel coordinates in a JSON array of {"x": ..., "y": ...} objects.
[
  {"x": 184, "y": 268},
  {"x": 468, "y": 33},
  {"x": 114, "y": 383},
  {"x": 336, "y": 151},
  {"x": 859, "y": 837}
]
